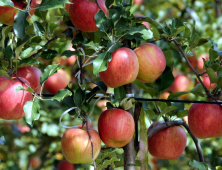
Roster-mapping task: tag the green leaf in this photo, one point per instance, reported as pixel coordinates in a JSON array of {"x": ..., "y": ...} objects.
[
  {"x": 8, "y": 52},
  {"x": 198, "y": 90},
  {"x": 38, "y": 28},
  {"x": 20, "y": 24},
  {"x": 122, "y": 24},
  {"x": 49, "y": 4},
  {"x": 180, "y": 107},
  {"x": 179, "y": 30},
  {"x": 168, "y": 109},
  {"x": 219, "y": 82},
  {"x": 176, "y": 95},
  {"x": 151, "y": 114},
  {"x": 198, "y": 165},
  {"x": 61, "y": 94},
  {"x": 182, "y": 113},
  {"x": 101, "y": 21},
  {"x": 165, "y": 80},
  {"x": 194, "y": 41},
  {"x": 169, "y": 58},
  {"x": 217, "y": 161},
  {"x": 127, "y": 103},
  {"x": 27, "y": 61},
  {"x": 29, "y": 89},
  {"x": 212, "y": 75},
  {"x": 2, "y": 140},
  {"x": 5, "y": 32},
  {"x": 6, "y": 3},
  {"x": 113, "y": 46},
  {"x": 187, "y": 31},
  {"x": 213, "y": 54},
  {"x": 4, "y": 73},
  {"x": 119, "y": 93},
  {"x": 145, "y": 33},
  {"x": 49, "y": 54},
  {"x": 141, "y": 85},
  {"x": 175, "y": 23},
  {"x": 69, "y": 53},
  {"x": 79, "y": 97},
  {"x": 156, "y": 33},
  {"x": 101, "y": 62},
  {"x": 48, "y": 71},
  {"x": 30, "y": 51},
  {"x": 31, "y": 109},
  {"x": 108, "y": 3}
]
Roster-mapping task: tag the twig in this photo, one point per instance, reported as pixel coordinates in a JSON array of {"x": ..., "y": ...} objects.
[
  {"x": 162, "y": 126},
  {"x": 198, "y": 76}
]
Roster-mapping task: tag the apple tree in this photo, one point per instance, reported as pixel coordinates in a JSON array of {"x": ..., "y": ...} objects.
[{"x": 110, "y": 84}]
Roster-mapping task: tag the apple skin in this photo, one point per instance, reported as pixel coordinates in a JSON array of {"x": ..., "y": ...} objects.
[
  {"x": 152, "y": 62},
  {"x": 138, "y": 2},
  {"x": 181, "y": 83},
  {"x": 67, "y": 6},
  {"x": 7, "y": 14},
  {"x": 76, "y": 145},
  {"x": 116, "y": 127},
  {"x": 122, "y": 69},
  {"x": 200, "y": 63},
  {"x": 168, "y": 143},
  {"x": 82, "y": 14},
  {"x": 65, "y": 165},
  {"x": 35, "y": 162},
  {"x": 205, "y": 120},
  {"x": 57, "y": 81},
  {"x": 32, "y": 75},
  {"x": 12, "y": 102},
  {"x": 164, "y": 95},
  {"x": 206, "y": 82}
]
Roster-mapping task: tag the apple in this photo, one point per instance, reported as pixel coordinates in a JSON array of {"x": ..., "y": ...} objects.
[
  {"x": 71, "y": 60},
  {"x": 200, "y": 63},
  {"x": 23, "y": 129},
  {"x": 122, "y": 69},
  {"x": 7, "y": 14},
  {"x": 181, "y": 83},
  {"x": 116, "y": 127},
  {"x": 164, "y": 95},
  {"x": 32, "y": 75},
  {"x": 65, "y": 165},
  {"x": 12, "y": 102},
  {"x": 138, "y": 2},
  {"x": 168, "y": 143},
  {"x": 206, "y": 82},
  {"x": 82, "y": 14},
  {"x": 35, "y": 162},
  {"x": 67, "y": 6},
  {"x": 205, "y": 120},
  {"x": 152, "y": 62},
  {"x": 76, "y": 145},
  {"x": 102, "y": 104},
  {"x": 57, "y": 81},
  {"x": 193, "y": 61}
]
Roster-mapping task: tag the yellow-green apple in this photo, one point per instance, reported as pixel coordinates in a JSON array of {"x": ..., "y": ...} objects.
[
  {"x": 35, "y": 162},
  {"x": 57, "y": 81},
  {"x": 205, "y": 120},
  {"x": 76, "y": 145},
  {"x": 168, "y": 143},
  {"x": 152, "y": 62},
  {"x": 12, "y": 102},
  {"x": 164, "y": 95},
  {"x": 122, "y": 69},
  {"x": 7, "y": 14},
  {"x": 32, "y": 75},
  {"x": 65, "y": 165},
  {"x": 82, "y": 14},
  {"x": 116, "y": 127}
]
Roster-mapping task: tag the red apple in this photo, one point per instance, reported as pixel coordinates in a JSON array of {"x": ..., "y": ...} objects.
[
  {"x": 200, "y": 63},
  {"x": 206, "y": 82},
  {"x": 181, "y": 83},
  {"x": 116, "y": 127},
  {"x": 32, "y": 75},
  {"x": 205, "y": 120},
  {"x": 67, "y": 6},
  {"x": 102, "y": 104},
  {"x": 65, "y": 165},
  {"x": 138, "y": 2},
  {"x": 7, "y": 14},
  {"x": 122, "y": 69},
  {"x": 164, "y": 95},
  {"x": 12, "y": 102},
  {"x": 76, "y": 145},
  {"x": 57, "y": 81},
  {"x": 35, "y": 162},
  {"x": 82, "y": 14},
  {"x": 23, "y": 129},
  {"x": 193, "y": 61},
  {"x": 71, "y": 60},
  {"x": 152, "y": 62},
  {"x": 168, "y": 143}
]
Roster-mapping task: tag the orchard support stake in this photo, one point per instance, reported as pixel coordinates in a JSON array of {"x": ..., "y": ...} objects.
[
  {"x": 161, "y": 126},
  {"x": 129, "y": 153}
]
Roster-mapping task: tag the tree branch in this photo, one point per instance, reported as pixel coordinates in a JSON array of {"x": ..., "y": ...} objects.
[{"x": 162, "y": 126}]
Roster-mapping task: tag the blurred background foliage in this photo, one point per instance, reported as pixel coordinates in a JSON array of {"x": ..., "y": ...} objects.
[{"x": 39, "y": 147}]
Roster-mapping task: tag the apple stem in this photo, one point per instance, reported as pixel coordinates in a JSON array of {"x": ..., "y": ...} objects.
[
  {"x": 197, "y": 75},
  {"x": 162, "y": 126}
]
